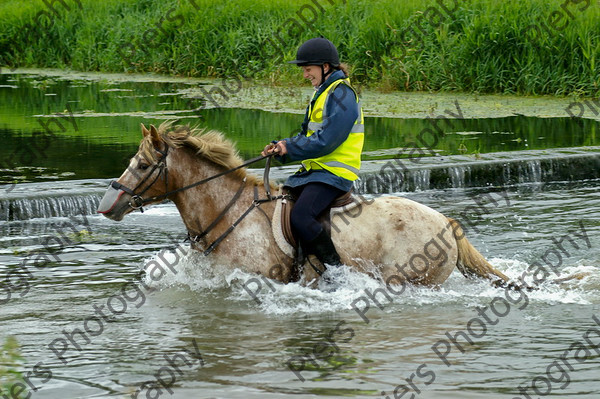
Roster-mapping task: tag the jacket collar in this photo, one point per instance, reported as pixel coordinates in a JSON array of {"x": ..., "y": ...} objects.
[{"x": 336, "y": 75}]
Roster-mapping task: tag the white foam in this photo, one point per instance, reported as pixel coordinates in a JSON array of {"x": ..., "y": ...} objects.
[
  {"x": 191, "y": 269},
  {"x": 298, "y": 297},
  {"x": 168, "y": 209},
  {"x": 199, "y": 273}
]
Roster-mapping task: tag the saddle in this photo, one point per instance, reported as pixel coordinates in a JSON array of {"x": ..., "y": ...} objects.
[
  {"x": 282, "y": 228},
  {"x": 287, "y": 204}
]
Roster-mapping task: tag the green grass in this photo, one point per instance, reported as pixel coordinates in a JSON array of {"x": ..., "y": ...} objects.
[{"x": 483, "y": 48}]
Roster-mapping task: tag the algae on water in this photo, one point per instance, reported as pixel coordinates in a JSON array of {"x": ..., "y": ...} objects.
[{"x": 10, "y": 358}]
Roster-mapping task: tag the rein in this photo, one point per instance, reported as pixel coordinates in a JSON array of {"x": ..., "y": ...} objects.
[{"x": 137, "y": 202}]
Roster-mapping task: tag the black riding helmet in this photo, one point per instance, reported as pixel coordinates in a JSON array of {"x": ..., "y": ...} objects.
[{"x": 317, "y": 51}]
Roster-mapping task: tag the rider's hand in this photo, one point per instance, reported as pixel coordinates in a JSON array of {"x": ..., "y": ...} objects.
[
  {"x": 268, "y": 149},
  {"x": 278, "y": 148}
]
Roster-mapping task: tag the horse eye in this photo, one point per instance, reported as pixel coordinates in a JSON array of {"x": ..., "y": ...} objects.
[{"x": 143, "y": 166}]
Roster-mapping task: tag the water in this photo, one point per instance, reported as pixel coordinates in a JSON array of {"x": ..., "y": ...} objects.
[
  {"x": 247, "y": 345},
  {"x": 97, "y": 123}
]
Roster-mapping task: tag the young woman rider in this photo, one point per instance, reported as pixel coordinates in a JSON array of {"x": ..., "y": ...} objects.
[{"x": 329, "y": 146}]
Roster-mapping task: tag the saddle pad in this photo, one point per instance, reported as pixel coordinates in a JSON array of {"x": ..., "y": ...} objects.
[{"x": 276, "y": 226}]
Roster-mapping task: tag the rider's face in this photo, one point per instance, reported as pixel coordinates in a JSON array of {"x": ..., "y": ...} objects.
[{"x": 314, "y": 73}]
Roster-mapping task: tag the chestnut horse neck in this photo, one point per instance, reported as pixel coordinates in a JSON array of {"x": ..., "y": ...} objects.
[
  {"x": 207, "y": 181},
  {"x": 211, "y": 211}
]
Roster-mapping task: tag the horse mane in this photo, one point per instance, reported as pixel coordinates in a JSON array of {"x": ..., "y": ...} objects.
[{"x": 211, "y": 145}]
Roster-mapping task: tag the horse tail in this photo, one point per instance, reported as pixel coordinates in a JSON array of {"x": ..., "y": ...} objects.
[
  {"x": 570, "y": 277},
  {"x": 470, "y": 262}
]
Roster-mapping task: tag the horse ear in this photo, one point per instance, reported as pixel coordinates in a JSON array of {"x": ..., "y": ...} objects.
[
  {"x": 154, "y": 133},
  {"x": 145, "y": 131},
  {"x": 155, "y": 136}
]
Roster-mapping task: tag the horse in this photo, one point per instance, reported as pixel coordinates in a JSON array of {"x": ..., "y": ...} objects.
[{"x": 229, "y": 215}]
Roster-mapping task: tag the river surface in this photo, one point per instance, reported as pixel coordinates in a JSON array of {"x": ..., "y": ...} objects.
[{"x": 62, "y": 266}]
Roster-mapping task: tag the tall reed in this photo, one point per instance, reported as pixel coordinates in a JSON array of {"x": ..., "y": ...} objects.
[{"x": 484, "y": 47}]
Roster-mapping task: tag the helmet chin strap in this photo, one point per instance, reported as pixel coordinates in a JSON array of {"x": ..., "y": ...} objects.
[{"x": 323, "y": 75}]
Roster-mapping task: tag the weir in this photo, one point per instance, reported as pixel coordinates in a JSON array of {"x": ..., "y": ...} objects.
[
  {"x": 46, "y": 207},
  {"x": 68, "y": 198},
  {"x": 462, "y": 171},
  {"x": 50, "y": 199},
  {"x": 492, "y": 169}
]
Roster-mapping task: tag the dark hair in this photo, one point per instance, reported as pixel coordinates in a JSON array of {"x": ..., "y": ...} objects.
[
  {"x": 344, "y": 68},
  {"x": 341, "y": 67}
]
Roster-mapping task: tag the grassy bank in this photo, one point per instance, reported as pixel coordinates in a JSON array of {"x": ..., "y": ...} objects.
[{"x": 472, "y": 45}]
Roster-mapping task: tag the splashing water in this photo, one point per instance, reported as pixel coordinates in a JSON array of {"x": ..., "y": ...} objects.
[{"x": 200, "y": 274}]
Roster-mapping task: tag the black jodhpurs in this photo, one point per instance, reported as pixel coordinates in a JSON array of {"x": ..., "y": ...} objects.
[{"x": 313, "y": 199}]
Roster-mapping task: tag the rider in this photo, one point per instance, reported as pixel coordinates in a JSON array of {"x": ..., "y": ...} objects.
[{"x": 329, "y": 146}]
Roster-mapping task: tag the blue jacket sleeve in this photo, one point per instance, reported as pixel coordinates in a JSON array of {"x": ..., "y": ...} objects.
[{"x": 341, "y": 113}]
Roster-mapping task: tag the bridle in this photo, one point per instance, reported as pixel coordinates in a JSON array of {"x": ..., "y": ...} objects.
[{"x": 137, "y": 201}]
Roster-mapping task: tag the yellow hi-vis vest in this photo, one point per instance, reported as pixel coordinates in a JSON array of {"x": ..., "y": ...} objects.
[{"x": 344, "y": 161}]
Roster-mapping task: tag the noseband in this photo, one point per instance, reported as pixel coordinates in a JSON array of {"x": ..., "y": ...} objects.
[{"x": 136, "y": 201}]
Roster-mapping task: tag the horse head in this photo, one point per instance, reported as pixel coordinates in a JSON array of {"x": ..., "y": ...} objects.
[
  {"x": 193, "y": 155},
  {"x": 144, "y": 182}
]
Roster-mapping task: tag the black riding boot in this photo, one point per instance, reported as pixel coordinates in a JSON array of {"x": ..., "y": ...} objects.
[{"x": 322, "y": 247}]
